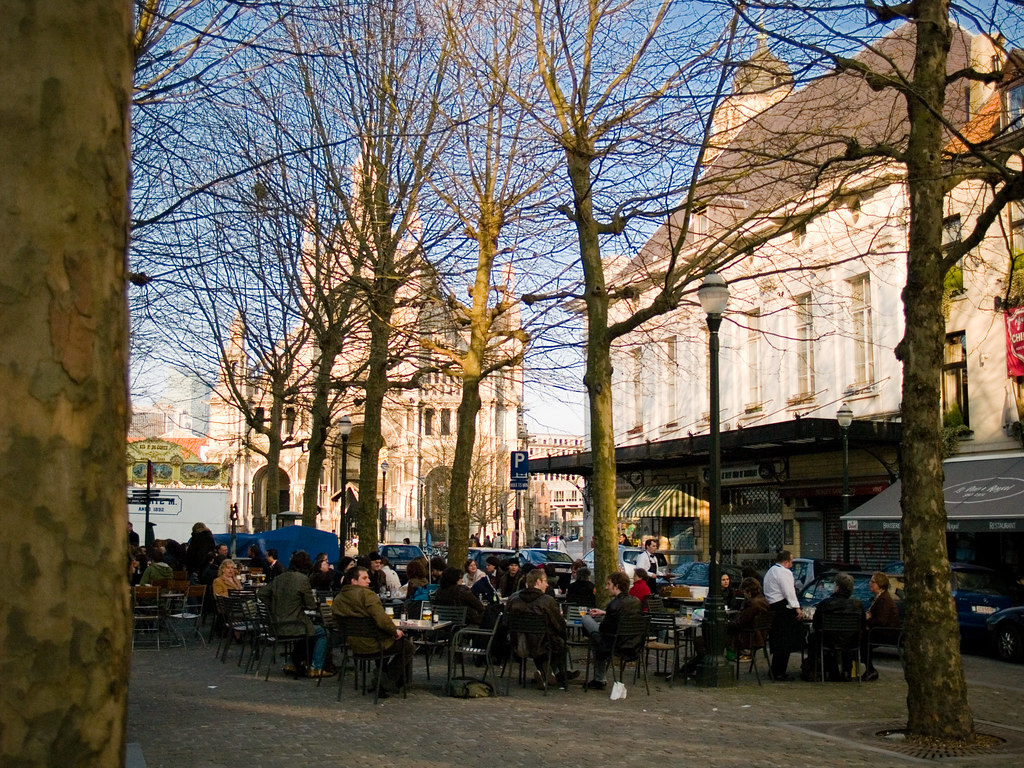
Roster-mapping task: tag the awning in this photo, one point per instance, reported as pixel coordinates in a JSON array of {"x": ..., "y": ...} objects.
[
  {"x": 984, "y": 493},
  {"x": 662, "y": 501}
]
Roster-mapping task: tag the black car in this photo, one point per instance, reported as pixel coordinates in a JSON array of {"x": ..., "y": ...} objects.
[
  {"x": 541, "y": 557},
  {"x": 399, "y": 556},
  {"x": 1006, "y": 628}
]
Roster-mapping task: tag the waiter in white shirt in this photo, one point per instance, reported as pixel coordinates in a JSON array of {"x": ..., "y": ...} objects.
[
  {"x": 780, "y": 592},
  {"x": 648, "y": 560}
]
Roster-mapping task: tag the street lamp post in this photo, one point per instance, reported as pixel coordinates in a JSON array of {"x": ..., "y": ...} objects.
[
  {"x": 383, "y": 500},
  {"x": 845, "y": 418},
  {"x": 714, "y": 296},
  {"x": 345, "y": 428}
]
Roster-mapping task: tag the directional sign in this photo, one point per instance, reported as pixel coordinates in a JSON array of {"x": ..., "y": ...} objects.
[{"x": 520, "y": 474}]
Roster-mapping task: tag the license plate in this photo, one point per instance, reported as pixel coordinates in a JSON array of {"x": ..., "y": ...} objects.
[{"x": 983, "y": 609}]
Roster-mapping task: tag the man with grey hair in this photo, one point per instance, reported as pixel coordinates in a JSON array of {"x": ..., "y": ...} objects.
[{"x": 841, "y": 603}]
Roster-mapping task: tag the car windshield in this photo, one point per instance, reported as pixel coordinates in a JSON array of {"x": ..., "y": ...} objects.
[
  {"x": 401, "y": 553},
  {"x": 630, "y": 556},
  {"x": 981, "y": 582},
  {"x": 547, "y": 556}
]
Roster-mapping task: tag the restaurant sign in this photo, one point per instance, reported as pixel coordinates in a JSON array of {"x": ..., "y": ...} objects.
[{"x": 1015, "y": 342}]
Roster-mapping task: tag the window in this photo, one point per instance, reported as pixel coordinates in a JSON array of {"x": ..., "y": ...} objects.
[
  {"x": 638, "y": 391},
  {"x": 799, "y": 234},
  {"x": 699, "y": 223},
  {"x": 428, "y": 422},
  {"x": 1015, "y": 106},
  {"x": 671, "y": 373},
  {"x": 952, "y": 230},
  {"x": 860, "y": 331},
  {"x": 804, "y": 345},
  {"x": 754, "y": 358},
  {"x": 446, "y": 421},
  {"x": 955, "y": 411}
]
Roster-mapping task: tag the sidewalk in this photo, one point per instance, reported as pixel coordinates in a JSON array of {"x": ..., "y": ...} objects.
[{"x": 187, "y": 710}]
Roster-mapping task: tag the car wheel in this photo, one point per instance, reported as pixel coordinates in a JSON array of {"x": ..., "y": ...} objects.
[{"x": 1009, "y": 646}]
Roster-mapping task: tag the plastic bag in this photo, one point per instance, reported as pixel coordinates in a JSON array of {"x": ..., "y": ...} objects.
[{"x": 618, "y": 691}]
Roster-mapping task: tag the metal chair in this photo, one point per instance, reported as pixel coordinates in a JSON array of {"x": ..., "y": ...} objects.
[
  {"x": 629, "y": 646},
  {"x": 434, "y": 640},
  {"x": 521, "y": 626},
  {"x": 840, "y": 633},
  {"x": 269, "y": 635},
  {"x": 351, "y": 627},
  {"x": 655, "y": 604},
  {"x": 190, "y": 615},
  {"x": 753, "y": 640},
  {"x": 884, "y": 637},
  {"x": 475, "y": 643},
  {"x": 146, "y": 614},
  {"x": 664, "y": 639}
]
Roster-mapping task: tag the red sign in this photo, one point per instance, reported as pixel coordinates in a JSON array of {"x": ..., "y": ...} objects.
[{"x": 1015, "y": 342}]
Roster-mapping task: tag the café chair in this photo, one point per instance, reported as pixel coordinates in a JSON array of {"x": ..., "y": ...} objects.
[
  {"x": 146, "y": 615},
  {"x": 472, "y": 642},
  {"x": 438, "y": 639},
  {"x": 350, "y": 627},
  {"x": 753, "y": 640},
  {"x": 520, "y": 627},
  {"x": 186, "y": 621},
  {"x": 664, "y": 638},
  {"x": 629, "y": 647},
  {"x": 269, "y": 635},
  {"x": 655, "y": 604},
  {"x": 884, "y": 637},
  {"x": 840, "y": 635}
]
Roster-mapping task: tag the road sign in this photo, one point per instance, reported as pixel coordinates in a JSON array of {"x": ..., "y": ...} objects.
[
  {"x": 520, "y": 474},
  {"x": 139, "y": 496}
]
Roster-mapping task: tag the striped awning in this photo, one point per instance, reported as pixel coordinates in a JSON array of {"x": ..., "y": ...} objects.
[{"x": 662, "y": 501}]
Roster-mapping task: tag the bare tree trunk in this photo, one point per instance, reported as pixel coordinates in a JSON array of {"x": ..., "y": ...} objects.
[
  {"x": 65, "y": 85},
  {"x": 598, "y": 376},
  {"x": 937, "y": 694},
  {"x": 369, "y": 455},
  {"x": 462, "y": 467}
]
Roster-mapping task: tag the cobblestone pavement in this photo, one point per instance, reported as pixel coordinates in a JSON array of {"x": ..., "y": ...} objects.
[{"x": 188, "y": 710}]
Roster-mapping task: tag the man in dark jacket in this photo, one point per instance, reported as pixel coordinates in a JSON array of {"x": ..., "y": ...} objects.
[
  {"x": 289, "y": 596},
  {"x": 453, "y": 592},
  {"x": 357, "y": 599},
  {"x": 533, "y": 601},
  {"x": 602, "y": 636}
]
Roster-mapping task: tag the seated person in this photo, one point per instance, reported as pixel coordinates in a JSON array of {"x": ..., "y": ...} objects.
[
  {"x": 841, "y": 602},
  {"x": 754, "y": 606},
  {"x": 602, "y": 636},
  {"x": 472, "y": 573},
  {"x": 729, "y": 593},
  {"x": 417, "y": 572},
  {"x": 534, "y": 600},
  {"x": 322, "y": 575},
  {"x": 289, "y": 596},
  {"x": 486, "y": 589},
  {"x": 641, "y": 590},
  {"x": 357, "y": 599},
  {"x": 437, "y": 566},
  {"x": 582, "y": 591},
  {"x": 882, "y": 614},
  {"x": 226, "y": 580},
  {"x": 157, "y": 569},
  {"x": 454, "y": 592},
  {"x": 510, "y": 581}
]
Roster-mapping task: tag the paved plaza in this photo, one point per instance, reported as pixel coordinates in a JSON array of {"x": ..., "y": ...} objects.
[{"x": 188, "y": 710}]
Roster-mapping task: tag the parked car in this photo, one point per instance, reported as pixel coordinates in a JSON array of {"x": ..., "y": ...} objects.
[
  {"x": 539, "y": 557},
  {"x": 696, "y": 574},
  {"x": 807, "y": 569},
  {"x": 480, "y": 554},
  {"x": 978, "y": 593},
  {"x": 627, "y": 559},
  {"x": 400, "y": 555},
  {"x": 825, "y": 585},
  {"x": 1006, "y": 629}
]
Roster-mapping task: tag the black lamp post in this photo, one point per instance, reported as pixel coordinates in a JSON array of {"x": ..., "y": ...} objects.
[
  {"x": 714, "y": 297},
  {"x": 345, "y": 428},
  {"x": 845, "y": 418},
  {"x": 383, "y": 500}
]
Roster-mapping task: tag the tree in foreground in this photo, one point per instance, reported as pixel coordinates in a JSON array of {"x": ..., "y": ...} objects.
[{"x": 65, "y": 86}]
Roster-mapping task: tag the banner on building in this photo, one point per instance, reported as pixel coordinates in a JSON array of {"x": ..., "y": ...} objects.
[{"x": 1015, "y": 342}]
